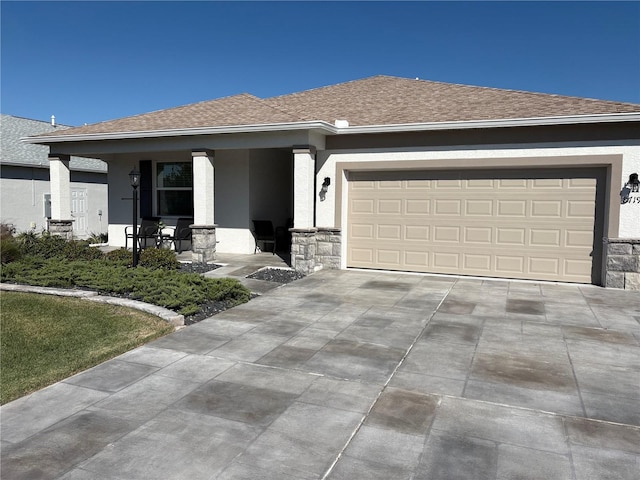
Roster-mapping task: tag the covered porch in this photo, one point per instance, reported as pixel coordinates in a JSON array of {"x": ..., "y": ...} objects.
[{"x": 224, "y": 188}]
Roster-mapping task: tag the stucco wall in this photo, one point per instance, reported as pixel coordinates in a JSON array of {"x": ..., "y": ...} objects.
[
  {"x": 23, "y": 190},
  {"x": 271, "y": 186},
  {"x": 232, "y": 202}
]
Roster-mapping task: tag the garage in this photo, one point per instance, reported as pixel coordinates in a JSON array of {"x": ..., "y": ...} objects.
[{"x": 538, "y": 224}]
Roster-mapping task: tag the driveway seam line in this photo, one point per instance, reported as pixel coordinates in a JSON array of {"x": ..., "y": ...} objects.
[{"x": 386, "y": 384}]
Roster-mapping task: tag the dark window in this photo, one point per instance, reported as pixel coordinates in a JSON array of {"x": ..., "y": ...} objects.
[{"x": 174, "y": 186}]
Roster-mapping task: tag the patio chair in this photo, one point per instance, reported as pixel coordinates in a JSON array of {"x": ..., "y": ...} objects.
[
  {"x": 182, "y": 233},
  {"x": 148, "y": 229},
  {"x": 263, "y": 232}
]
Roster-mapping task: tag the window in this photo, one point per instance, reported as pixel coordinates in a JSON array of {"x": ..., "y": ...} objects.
[{"x": 174, "y": 186}]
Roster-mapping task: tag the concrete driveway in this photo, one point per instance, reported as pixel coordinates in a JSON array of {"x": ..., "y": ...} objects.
[{"x": 354, "y": 375}]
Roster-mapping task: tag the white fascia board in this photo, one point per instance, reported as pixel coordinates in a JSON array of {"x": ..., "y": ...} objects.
[
  {"x": 273, "y": 127},
  {"x": 327, "y": 128},
  {"x": 500, "y": 123}
]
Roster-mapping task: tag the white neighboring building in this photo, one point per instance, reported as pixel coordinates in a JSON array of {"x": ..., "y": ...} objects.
[{"x": 24, "y": 182}]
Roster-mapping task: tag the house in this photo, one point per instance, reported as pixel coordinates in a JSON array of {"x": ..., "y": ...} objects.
[
  {"x": 24, "y": 182},
  {"x": 386, "y": 173}
]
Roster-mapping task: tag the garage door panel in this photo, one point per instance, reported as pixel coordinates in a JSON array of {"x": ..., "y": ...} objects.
[
  {"x": 479, "y": 207},
  {"x": 390, "y": 206},
  {"x": 544, "y": 183},
  {"x": 509, "y": 264},
  {"x": 482, "y": 235},
  {"x": 447, "y": 207},
  {"x": 446, "y": 234},
  {"x": 388, "y": 256},
  {"x": 492, "y": 225},
  {"x": 512, "y": 208},
  {"x": 544, "y": 266},
  {"x": 483, "y": 183},
  {"x": 390, "y": 184},
  {"x": 417, "y": 206},
  {"x": 419, "y": 233},
  {"x": 578, "y": 239},
  {"x": 544, "y": 237},
  {"x": 389, "y": 232},
  {"x": 580, "y": 209},
  {"x": 546, "y": 208},
  {"x": 478, "y": 263},
  {"x": 510, "y": 236}
]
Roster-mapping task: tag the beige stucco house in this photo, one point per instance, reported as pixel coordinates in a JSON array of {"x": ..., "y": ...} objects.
[{"x": 386, "y": 173}]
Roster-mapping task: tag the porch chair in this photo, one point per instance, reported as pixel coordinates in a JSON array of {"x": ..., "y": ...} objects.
[
  {"x": 181, "y": 233},
  {"x": 263, "y": 232},
  {"x": 148, "y": 229}
]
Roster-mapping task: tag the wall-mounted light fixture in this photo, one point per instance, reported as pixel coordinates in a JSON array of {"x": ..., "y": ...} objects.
[{"x": 324, "y": 189}]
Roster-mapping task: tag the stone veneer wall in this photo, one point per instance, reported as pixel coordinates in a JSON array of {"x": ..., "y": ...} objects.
[
  {"x": 328, "y": 248},
  {"x": 61, "y": 228},
  {"x": 623, "y": 263},
  {"x": 313, "y": 249},
  {"x": 203, "y": 243}
]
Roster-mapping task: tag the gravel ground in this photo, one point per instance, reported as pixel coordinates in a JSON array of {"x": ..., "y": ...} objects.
[
  {"x": 278, "y": 275},
  {"x": 198, "y": 267}
]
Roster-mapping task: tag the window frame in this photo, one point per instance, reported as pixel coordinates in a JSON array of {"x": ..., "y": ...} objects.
[{"x": 157, "y": 189}]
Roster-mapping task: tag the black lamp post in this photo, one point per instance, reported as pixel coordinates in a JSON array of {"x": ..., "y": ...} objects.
[{"x": 134, "y": 176}]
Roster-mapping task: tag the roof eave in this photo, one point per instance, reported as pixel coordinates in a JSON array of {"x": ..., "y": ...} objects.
[
  {"x": 327, "y": 128},
  {"x": 180, "y": 132},
  {"x": 497, "y": 123}
]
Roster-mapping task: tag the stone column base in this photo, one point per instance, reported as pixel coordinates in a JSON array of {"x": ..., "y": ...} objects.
[
  {"x": 61, "y": 228},
  {"x": 313, "y": 249},
  {"x": 623, "y": 263},
  {"x": 328, "y": 248},
  {"x": 303, "y": 249},
  {"x": 203, "y": 243}
]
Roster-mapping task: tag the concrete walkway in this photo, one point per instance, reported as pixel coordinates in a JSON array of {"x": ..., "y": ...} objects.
[{"x": 356, "y": 375}]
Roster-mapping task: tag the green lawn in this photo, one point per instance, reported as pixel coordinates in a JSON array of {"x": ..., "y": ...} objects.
[{"x": 44, "y": 339}]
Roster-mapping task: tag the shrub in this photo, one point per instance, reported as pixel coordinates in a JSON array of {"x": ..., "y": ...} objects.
[
  {"x": 171, "y": 289},
  {"x": 122, "y": 256},
  {"x": 7, "y": 230},
  {"x": 98, "y": 237},
  {"x": 9, "y": 250},
  {"x": 51, "y": 246},
  {"x": 158, "y": 258}
]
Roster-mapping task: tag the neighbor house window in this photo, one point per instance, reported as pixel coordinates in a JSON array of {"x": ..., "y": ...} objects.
[{"x": 174, "y": 186}]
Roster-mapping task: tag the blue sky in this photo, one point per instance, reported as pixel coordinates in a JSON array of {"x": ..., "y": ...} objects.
[{"x": 87, "y": 62}]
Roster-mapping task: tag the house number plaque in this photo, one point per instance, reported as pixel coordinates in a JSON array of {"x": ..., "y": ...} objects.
[{"x": 630, "y": 193}]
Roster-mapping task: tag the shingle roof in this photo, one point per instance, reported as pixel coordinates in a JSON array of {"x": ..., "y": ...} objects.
[
  {"x": 379, "y": 100},
  {"x": 384, "y": 100},
  {"x": 15, "y": 152}
]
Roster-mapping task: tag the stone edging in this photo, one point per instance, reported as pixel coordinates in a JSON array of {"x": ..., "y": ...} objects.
[{"x": 165, "y": 314}]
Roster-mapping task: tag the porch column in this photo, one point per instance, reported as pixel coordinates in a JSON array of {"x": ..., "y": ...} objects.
[
  {"x": 203, "y": 230},
  {"x": 61, "y": 222},
  {"x": 304, "y": 170},
  {"x": 303, "y": 233}
]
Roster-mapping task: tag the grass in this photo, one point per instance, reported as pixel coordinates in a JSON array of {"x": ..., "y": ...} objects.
[{"x": 46, "y": 339}]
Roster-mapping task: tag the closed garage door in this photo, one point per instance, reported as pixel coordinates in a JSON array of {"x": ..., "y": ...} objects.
[{"x": 514, "y": 224}]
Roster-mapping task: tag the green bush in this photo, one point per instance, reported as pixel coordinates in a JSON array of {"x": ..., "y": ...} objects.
[
  {"x": 158, "y": 258},
  {"x": 9, "y": 250},
  {"x": 50, "y": 246},
  {"x": 122, "y": 256},
  {"x": 166, "y": 288}
]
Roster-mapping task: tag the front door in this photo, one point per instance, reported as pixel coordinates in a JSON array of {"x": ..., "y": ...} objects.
[{"x": 79, "y": 211}]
